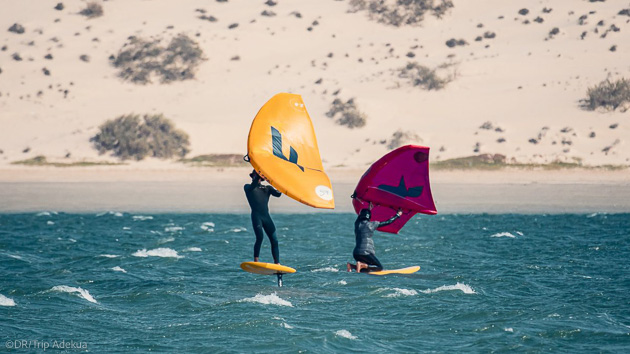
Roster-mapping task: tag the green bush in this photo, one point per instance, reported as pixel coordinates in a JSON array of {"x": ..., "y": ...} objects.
[
  {"x": 401, "y": 12},
  {"x": 139, "y": 60},
  {"x": 129, "y": 137},
  {"x": 420, "y": 75},
  {"x": 608, "y": 94},
  {"x": 346, "y": 114},
  {"x": 92, "y": 10}
]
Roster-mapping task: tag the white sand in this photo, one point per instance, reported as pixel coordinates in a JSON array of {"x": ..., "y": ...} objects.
[
  {"x": 521, "y": 84},
  {"x": 279, "y": 54}
]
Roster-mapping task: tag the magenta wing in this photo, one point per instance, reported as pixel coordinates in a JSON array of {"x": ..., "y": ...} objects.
[{"x": 398, "y": 180}]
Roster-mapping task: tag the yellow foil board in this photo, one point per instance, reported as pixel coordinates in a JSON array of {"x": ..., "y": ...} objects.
[
  {"x": 266, "y": 268},
  {"x": 408, "y": 270},
  {"x": 282, "y": 148}
]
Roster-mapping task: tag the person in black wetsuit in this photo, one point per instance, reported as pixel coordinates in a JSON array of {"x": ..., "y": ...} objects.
[
  {"x": 258, "y": 198},
  {"x": 364, "y": 252}
]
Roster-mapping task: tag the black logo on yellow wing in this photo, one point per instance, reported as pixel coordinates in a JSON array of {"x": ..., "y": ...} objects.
[{"x": 276, "y": 141}]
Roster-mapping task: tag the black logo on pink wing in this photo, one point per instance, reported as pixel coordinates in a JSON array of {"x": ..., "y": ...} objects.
[{"x": 402, "y": 190}]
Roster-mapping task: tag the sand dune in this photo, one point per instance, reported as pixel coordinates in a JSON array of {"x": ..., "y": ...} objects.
[{"x": 519, "y": 70}]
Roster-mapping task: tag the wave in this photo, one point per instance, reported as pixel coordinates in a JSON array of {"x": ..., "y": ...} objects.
[
  {"x": 5, "y": 301},
  {"x": 166, "y": 240},
  {"x": 237, "y": 229},
  {"x": 142, "y": 217},
  {"x": 503, "y": 234},
  {"x": 158, "y": 252},
  {"x": 108, "y": 255},
  {"x": 271, "y": 299},
  {"x": 115, "y": 213},
  {"x": 118, "y": 269},
  {"x": 402, "y": 292},
  {"x": 72, "y": 290},
  {"x": 173, "y": 229},
  {"x": 192, "y": 249},
  {"x": 208, "y": 226},
  {"x": 466, "y": 289},
  {"x": 325, "y": 269},
  {"x": 50, "y": 222},
  {"x": 344, "y": 333},
  {"x": 342, "y": 282},
  {"x": 46, "y": 213}
]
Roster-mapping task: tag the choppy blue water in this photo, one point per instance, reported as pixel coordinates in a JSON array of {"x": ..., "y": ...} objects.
[{"x": 172, "y": 282}]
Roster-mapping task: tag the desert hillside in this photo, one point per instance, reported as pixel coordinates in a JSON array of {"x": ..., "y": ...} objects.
[{"x": 481, "y": 77}]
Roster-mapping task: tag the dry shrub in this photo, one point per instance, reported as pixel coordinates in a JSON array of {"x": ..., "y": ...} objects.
[
  {"x": 608, "y": 94},
  {"x": 424, "y": 77},
  {"x": 346, "y": 114},
  {"x": 401, "y": 12},
  {"x": 140, "y": 60},
  {"x": 92, "y": 10},
  {"x": 400, "y": 138},
  {"x": 129, "y": 137}
]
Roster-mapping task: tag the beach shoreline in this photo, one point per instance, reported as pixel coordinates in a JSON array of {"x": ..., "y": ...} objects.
[{"x": 219, "y": 190}]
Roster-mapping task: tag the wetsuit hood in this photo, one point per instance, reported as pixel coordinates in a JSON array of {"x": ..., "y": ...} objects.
[{"x": 255, "y": 177}]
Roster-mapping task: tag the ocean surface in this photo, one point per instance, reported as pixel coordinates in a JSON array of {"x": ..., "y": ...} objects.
[{"x": 121, "y": 282}]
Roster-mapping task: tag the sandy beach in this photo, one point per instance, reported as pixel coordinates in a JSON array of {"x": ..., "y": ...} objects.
[
  {"x": 515, "y": 78},
  {"x": 212, "y": 190}
]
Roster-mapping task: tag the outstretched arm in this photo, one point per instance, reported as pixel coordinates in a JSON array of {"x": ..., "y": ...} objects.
[{"x": 391, "y": 220}]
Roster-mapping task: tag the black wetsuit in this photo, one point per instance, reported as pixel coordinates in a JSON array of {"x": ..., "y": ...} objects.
[
  {"x": 258, "y": 198},
  {"x": 363, "y": 232}
]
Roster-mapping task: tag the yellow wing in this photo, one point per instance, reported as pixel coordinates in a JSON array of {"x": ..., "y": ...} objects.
[{"x": 282, "y": 148}]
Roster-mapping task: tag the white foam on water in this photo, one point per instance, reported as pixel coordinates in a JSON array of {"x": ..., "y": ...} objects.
[
  {"x": 402, "y": 292},
  {"x": 286, "y": 325},
  {"x": 72, "y": 240},
  {"x": 238, "y": 229},
  {"x": 47, "y": 213},
  {"x": 166, "y": 240},
  {"x": 509, "y": 329},
  {"x": 50, "y": 222},
  {"x": 108, "y": 255},
  {"x": 503, "y": 234},
  {"x": 192, "y": 249},
  {"x": 207, "y": 226},
  {"x": 115, "y": 213},
  {"x": 271, "y": 299},
  {"x": 5, "y": 301},
  {"x": 173, "y": 228},
  {"x": 141, "y": 217},
  {"x": 344, "y": 333},
  {"x": 466, "y": 289},
  {"x": 158, "y": 252},
  {"x": 325, "y": 269},
  {"x": 15, "y": 256},
  {"x": 126, "y": 228},
  {"x": 72, "y": 290},
  {"x": 118, "y": 269},
  {"x": 519, "y": 233},
  {"x": 342, "y": 282}
]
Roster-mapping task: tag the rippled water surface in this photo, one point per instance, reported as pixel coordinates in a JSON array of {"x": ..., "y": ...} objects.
[{"x": 172, "y": 282}]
